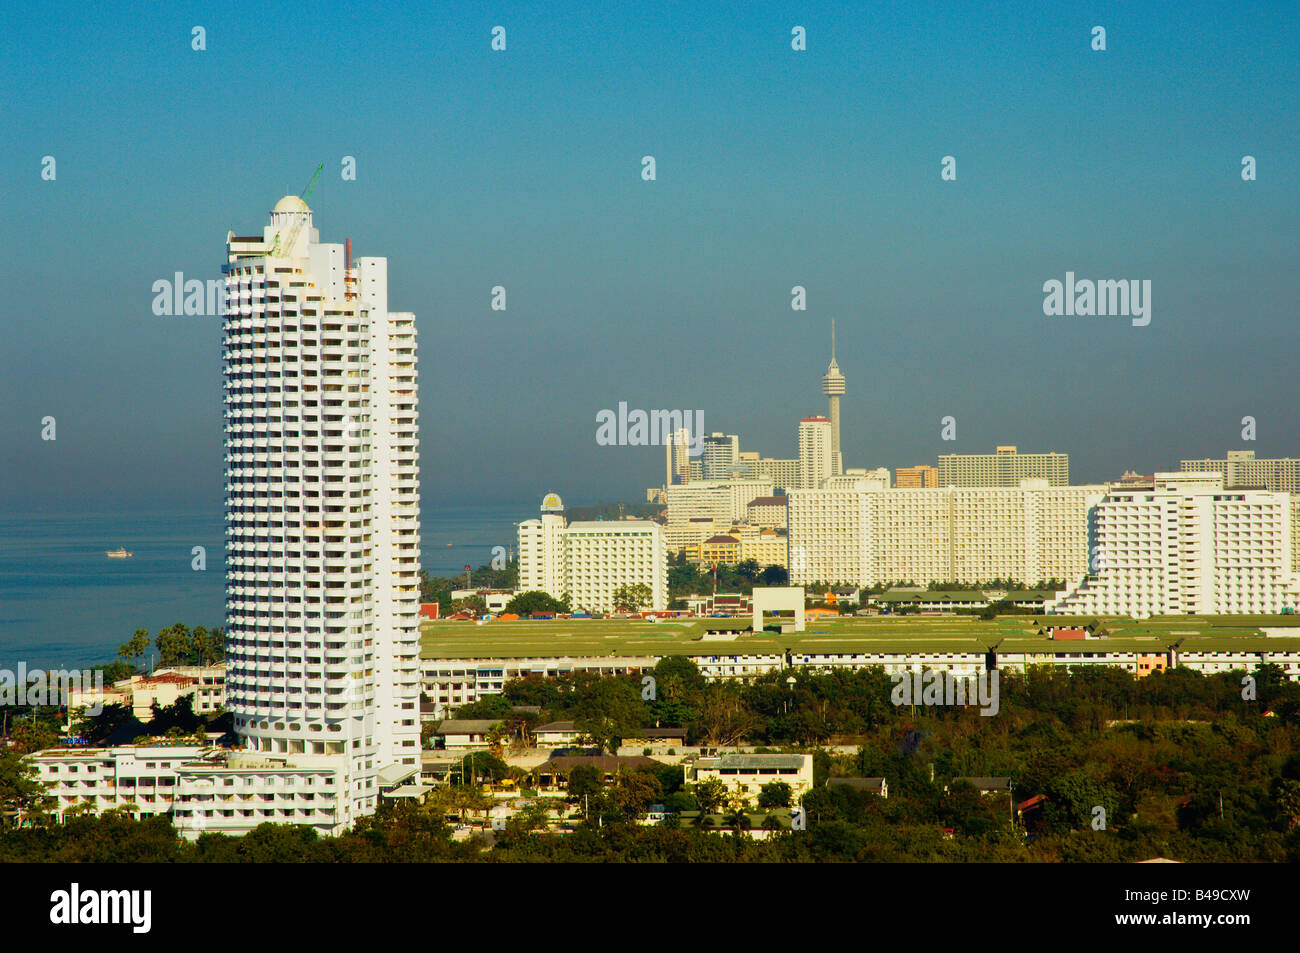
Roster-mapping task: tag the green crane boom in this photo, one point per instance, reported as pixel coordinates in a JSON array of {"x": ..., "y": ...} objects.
[{"x": 293, "y": 233}]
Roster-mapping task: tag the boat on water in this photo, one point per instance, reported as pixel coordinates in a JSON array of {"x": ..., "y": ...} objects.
[{"x": 118, "y": 554}]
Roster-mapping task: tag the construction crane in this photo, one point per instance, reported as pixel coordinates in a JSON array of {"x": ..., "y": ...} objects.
[{"x": 297, "y": 227}]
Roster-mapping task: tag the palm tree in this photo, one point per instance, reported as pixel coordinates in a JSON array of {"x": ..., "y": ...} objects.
[{"x": 738, "y": 820}]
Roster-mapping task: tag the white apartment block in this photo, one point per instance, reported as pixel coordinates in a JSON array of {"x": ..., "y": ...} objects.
[
  {"x": 600, "y": 556},
  {"x": 210, "y": 693},
  {"x": 1241, "y": 469},
  {"x": 541, "y": 549},
  {"x": 720, "y": 452},
  {"x": 780, "y": 472},
  {"x": 766, "y": 511},
  {"x": 137, "y": 780},
  {"x": 816, "y": 452},
  {"x": 1235, "y": 660},
  {"x": 850, "y": 478},
  {"x": 677, "y": 452},
  {"x": 1295, "y": 534},
  {"x": 588, "y": 561},
  {"x": 871, "y": 535},
  {"x": 451, "y": 683},
  {"x": 689, "y": 534},
  {"x": 233, "y": 794},
  {"x": 1003, "y": 467},
  {"x": 1187, "y": 545},
  {"x": 724, "y": 501},
  {"x": 322, "y": 545}
]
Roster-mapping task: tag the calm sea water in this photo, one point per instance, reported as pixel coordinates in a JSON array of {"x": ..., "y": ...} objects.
[{"x": 63, "y": 603}]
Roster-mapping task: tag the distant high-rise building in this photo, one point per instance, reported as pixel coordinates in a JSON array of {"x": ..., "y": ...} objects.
[
  {"x": 782, "y": 473},
  {"x": 816, "y": 453},
  {"x": 678, "y": 451},
  {"x": 590, "y": 561},
  {"x": 833, "y": 388},
  {"x": 918, "y": 477},
  {"x": 541, "y": 549},
  {"x": 720, "y": 452},
  {"x": 724, "y": 501},
  {"x": 1004, "y": 467},
  {"x": 1241, "y": 469},
  {"x": 867, "y": 534}
]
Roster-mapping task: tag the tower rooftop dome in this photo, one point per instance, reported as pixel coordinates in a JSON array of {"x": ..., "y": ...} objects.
[{"x": 291, "y": 203}]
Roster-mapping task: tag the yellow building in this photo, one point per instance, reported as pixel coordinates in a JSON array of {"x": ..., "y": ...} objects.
[
  {"x": 916, "y": 478},
  {"x": 721, "y": 549}
]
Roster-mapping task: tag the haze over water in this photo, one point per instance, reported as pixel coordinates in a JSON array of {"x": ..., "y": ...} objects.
[{"x": 64, "y": 603}]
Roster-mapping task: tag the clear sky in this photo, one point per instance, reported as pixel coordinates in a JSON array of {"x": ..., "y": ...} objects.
[{"x": 775, "y": 168}]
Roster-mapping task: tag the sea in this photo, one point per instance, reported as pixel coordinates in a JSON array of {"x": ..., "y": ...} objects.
[{"x": 65, "y": 604}]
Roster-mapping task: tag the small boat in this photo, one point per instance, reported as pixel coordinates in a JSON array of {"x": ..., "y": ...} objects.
[
  {"x": 118, "y": 554},
  {"x": 451, "y": 544}
]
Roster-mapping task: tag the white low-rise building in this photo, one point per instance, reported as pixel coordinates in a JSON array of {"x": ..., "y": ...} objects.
[
  {"x": 746, "y": 774},
  {"x": 141, "y": 781},
  {"x": 233, "y": 793}
]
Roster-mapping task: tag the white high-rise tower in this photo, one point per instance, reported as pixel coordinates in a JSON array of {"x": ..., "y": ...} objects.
[
  {"x": 322, "y": 534},
  {"x": 833, "y": 388}
]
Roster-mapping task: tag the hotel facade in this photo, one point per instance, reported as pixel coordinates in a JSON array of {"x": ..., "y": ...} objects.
[
  {"x": 868, "y": 534},
  {"x": 1185, "y": 544},
  {"x": 1003, "y": 467},
  {"x": 588, "y": 561}
]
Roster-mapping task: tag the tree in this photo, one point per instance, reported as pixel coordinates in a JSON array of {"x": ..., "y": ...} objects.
[
  {"x": 635, "y": 791},
  {"x": 98, "y": 728},
  {"x": 135, "y": 647},
  {"x": 634, "y": 597},
  {"x": 474, "y": 605},
  {"x": 775, "y": 794},
  {"x": 31, "y": 735},
  {"x": 710, "y": 794},
  {"x": 175, "y": 646},
  {"x": 723, "y": 719},
  {"x": 584, "y": 780},
  {"x": 22, "y": 795},
  {"x": 1286, "y": 795},
  {"x": 608, "y": 710},
  {"x": 534, "y": 601},
  {"x": 483, "y": 766},
  {"x": 207, "y": 645}
]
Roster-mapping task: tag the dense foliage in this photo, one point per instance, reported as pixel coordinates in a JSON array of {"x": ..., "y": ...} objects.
[{"x": 1175, "y": 764}]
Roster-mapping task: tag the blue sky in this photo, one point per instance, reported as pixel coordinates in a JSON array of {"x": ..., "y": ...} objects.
[{"x": 775, "y": 168}]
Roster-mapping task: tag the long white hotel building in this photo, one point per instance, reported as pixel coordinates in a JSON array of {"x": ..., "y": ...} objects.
[
  {"x": 588, "y": 560},
  {"x": 322, "y": 538},
  {"x": 863, "y": 533},
  {"x": 1186, "y": 545}
]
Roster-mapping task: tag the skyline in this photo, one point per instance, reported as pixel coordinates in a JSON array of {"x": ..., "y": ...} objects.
[{"x": 521, "y": 169}]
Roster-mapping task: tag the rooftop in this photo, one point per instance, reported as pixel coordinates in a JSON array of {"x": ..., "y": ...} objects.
[
  {"x": 751, "y": 761},
  {"x": 470, "y": 726}
]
